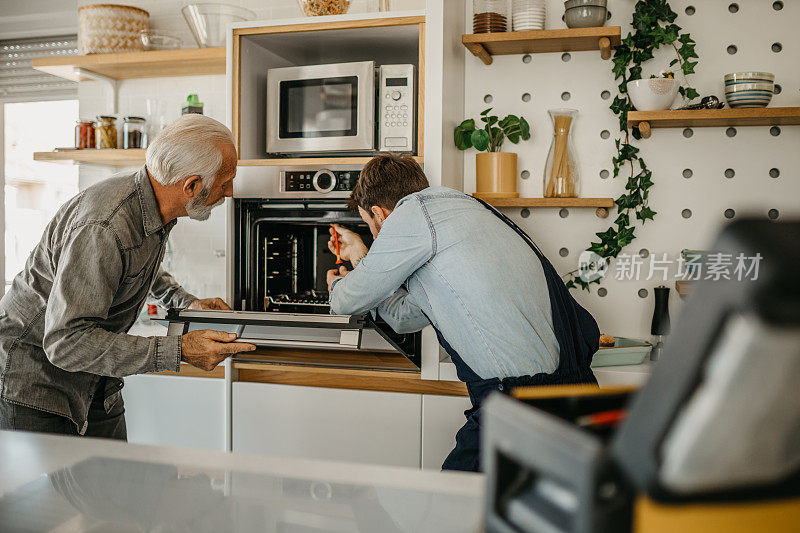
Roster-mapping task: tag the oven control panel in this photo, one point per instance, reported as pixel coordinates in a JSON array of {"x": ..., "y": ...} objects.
[{"x": 319, "y": 181}]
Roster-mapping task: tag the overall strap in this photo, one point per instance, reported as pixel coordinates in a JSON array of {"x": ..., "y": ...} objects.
[{"x": 576, "y": 330}]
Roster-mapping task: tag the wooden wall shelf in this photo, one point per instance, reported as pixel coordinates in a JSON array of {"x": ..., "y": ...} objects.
[
  {"x": 310, "y": 161},
  {"x": 683, "y": 287},
  {"x": 153, "y": 64},
  {"x": 124, "y": 158},
  {"x": 766, "y": 116},
  {"x": 486, "y": 45},
  {"x": 110, "y": 157},
  {"x": 602, "y": 205}
]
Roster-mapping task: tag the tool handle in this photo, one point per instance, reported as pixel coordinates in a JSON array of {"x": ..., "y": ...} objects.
[{"x": 336, "y": 243}]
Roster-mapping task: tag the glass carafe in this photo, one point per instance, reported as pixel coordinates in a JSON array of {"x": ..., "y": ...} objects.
[{"x": 561, "y": 177}]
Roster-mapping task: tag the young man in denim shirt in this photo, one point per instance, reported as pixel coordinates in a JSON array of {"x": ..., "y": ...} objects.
[{"x": 443, "y": 258}]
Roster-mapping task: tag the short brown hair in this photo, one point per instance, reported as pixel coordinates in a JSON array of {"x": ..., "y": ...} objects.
[{"x": 385, "y": 180}]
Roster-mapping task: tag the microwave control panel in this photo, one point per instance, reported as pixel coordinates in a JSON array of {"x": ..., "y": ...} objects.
[
  {"x": 319, "y": 181},
  {"x": 397, "y": 108}
]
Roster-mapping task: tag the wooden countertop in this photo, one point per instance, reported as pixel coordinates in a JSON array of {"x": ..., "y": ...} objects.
[{"x": 338, "y": 369}]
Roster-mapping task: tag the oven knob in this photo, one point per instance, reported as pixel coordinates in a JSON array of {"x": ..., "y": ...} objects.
[
  {"x": 324, "y": 181},
  {"x": 396, "y": 95}
]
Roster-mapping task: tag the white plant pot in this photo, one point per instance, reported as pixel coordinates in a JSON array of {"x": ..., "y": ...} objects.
[{"x": 654, "y": 94}]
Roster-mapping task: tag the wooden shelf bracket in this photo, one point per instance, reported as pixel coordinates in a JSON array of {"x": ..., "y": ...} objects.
[
  {"x": 644, "y": 129},
  {"x": 604, "y": 43},
  {"x": 480, "y": 52}
]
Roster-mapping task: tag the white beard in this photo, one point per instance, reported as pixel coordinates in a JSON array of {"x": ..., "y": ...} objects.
[{"x": 197, "y": 208}]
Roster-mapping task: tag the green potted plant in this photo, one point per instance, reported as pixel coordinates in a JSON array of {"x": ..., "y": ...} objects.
[{"x": 495, "y": 171}]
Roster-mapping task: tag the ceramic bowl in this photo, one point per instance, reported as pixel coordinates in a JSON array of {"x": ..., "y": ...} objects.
[
  {"x": 569, "y": 4},
  {"x": 654, "y": 94},
  {"x": 585, "y": 16},
  {"x": 749, "y": 95},
  {"x": 749, "y": 89},
  {"x": 750, "y": 77}
]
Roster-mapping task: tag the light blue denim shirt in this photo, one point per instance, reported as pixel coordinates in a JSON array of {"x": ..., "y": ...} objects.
[{"x": 443, "y": 256}]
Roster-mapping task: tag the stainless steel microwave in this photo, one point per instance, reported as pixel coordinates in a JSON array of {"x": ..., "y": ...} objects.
[{"x": 342, "y": 108}]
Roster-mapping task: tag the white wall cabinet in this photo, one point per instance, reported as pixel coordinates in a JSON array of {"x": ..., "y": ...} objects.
[
  {"x": 175, "y": 411},
  {"x": 334, "y": 424},
  {"x": 442, "y": 417}
]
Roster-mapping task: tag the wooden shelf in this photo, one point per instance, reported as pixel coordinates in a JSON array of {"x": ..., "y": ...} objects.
[
  {"x": 601, "y": 205},
  {"x": 697, "y": 118},
  {"x": 684, "y": 287},
  {"x": 486, "y": 45},
  {"x": 153, "y": 64},
  {"x": 124, "y": 158},
  {"x": 110, "y": 157},
  {"x": 309, "y": 161}
]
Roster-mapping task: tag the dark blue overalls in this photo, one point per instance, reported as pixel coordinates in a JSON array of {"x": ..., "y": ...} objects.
[{"x": 578, "y": 339}]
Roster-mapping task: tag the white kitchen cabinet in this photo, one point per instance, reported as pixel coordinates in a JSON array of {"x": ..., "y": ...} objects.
[
  {"x": 320, "y": 423},
  {"x": 175, "y": 411},
  {"x": 442, "y": 417}
]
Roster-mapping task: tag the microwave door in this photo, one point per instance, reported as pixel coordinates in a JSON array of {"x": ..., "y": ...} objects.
[{"x": 321, "y": 109}]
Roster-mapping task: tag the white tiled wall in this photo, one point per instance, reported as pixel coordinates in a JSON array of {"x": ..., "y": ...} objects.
[{"x": 196, "y": 249}]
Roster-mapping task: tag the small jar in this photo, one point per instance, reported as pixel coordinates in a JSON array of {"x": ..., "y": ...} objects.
[
  {"x": 84, "y": 134},
  {"x": 106, "y": 131},
  {"x": 133, "y": 134},
  {"x": 489, "y": 16}
]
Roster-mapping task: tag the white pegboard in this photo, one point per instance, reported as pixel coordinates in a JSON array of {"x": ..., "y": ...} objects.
[{"x": 753, "y": 29}]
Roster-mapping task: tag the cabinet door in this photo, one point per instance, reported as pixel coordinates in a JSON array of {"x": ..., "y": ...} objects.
[
  {"x": 319, "y": 423},
  {"x": 442, "y": 417},
  {"x": 175, "y": 411}
]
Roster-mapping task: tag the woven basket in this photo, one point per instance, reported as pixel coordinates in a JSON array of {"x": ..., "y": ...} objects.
[{"x": 109, "y": 28}]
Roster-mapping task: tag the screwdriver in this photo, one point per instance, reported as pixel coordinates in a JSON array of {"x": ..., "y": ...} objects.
[{"x": 336, "y": 243}]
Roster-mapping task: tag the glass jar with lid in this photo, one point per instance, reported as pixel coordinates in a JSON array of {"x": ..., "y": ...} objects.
[
  {"x": 106, "y": 131},
  {"x": 133, "y": 133},
  {"x": 490, "y": 16},
  {"x": 84, "y": 134}
]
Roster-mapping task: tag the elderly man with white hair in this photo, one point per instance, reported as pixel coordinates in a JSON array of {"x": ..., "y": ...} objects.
[{"x": 63, "y": 343}]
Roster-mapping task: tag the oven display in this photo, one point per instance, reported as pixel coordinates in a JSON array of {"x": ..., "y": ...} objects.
[{"x": 326, "y": 181}]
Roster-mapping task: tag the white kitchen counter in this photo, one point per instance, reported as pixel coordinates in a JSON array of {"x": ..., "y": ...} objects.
[
  {"x": 55, "y": 483},
  {"x": 607, "y": 376}
]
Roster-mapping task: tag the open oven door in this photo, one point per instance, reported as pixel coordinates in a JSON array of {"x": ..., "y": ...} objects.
[{"x": 300, "y": 330}]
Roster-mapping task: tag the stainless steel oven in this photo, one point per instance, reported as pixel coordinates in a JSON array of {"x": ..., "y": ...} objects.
[
  {"x": 279, "y": 236},
  {"x": 343, "y": 108}
]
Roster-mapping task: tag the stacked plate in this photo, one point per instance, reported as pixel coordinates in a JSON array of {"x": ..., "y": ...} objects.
[
  {"x": 749, "y": 89},
  {"x": 528, "y": 15},
  {"x": 489, "y": 23}
]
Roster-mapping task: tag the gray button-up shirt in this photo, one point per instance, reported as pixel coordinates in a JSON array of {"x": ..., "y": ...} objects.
[{"x": 63, "y": 322}]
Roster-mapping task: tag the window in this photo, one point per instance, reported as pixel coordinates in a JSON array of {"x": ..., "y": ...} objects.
[
  {"x": 34, "y": 191},
  {"x": 37, "y": 113}
]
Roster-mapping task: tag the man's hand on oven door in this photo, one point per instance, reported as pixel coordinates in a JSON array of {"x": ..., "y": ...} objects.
[
  {"x": 210, "y": 304},
  {"x": 206, "y": 348},
  {"x": 351, "y": 247},
  {"x": 335, "y": 274}
]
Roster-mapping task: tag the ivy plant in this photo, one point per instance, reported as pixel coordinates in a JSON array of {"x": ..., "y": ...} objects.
[
  {"x": 653, "y": 27},
  {"x": 490, "y": 137}
]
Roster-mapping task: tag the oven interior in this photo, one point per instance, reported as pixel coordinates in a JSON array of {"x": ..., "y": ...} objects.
[{"x": 286, "y": 257}]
